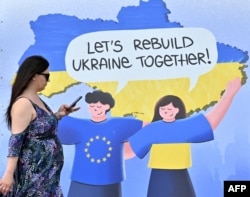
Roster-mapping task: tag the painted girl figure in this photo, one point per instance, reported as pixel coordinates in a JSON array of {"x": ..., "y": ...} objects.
[{"x": 169, "y": 162}]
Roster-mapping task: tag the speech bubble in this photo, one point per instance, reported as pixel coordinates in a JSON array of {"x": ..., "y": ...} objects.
[{"x": 147, "y": 54}]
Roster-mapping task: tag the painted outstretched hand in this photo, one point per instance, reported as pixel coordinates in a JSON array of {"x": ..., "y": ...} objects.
[
  {"x": 233, "y": 87},
  {"x": 215, "y": 116}
]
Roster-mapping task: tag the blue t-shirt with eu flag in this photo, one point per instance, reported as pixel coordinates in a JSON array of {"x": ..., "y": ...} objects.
[{"x": 98, "y": 147}]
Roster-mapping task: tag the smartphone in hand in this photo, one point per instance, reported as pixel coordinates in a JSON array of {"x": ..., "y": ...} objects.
[{"x": 75, "y": 102}]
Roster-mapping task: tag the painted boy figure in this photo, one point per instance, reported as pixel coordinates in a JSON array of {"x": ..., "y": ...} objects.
[{"x": 98, "y": 167}]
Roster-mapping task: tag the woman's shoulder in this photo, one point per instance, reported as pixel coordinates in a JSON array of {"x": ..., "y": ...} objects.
[
  {"x": 23, "y": 100},
  {"x": 22, "y": 103}
]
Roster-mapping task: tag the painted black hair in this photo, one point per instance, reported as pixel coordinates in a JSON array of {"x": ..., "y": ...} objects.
[
  {"x": 165, "y": 100},
  {"x": 100, "y": 96}
]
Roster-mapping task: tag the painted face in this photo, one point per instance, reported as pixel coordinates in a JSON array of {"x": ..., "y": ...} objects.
[
  {"x": 98, "y": 110},
  {"x": 168, "y": 112}
]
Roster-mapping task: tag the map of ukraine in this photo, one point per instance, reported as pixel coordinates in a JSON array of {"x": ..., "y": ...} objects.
[{"x": 54, "y": 32}]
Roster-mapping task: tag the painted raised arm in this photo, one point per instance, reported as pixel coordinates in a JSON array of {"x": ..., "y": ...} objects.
[{"x": 220, "y": 109}]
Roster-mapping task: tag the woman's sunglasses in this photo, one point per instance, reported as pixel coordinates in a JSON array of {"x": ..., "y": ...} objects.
[{"x": 46, "y": 75}]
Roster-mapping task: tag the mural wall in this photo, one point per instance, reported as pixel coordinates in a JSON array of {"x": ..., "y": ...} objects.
[{"x": 138, "y": 51}]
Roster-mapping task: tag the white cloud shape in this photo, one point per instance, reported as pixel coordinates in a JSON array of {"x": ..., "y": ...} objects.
[{"x": 148, "y": 54}]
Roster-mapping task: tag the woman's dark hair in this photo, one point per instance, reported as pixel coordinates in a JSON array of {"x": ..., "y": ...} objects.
[
  {"x": 165, "y": 100},
  {"x": 30, "y": 66},
  {"x": 100, "y": 96}
]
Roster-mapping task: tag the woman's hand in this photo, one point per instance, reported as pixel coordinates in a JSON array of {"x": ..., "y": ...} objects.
[
  {"x": 65, "y": 110},
  {"x": 6, "y": 183}
]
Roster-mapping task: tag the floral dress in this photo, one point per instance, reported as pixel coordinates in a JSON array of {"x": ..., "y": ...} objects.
[{"x": 40, "y": 157}]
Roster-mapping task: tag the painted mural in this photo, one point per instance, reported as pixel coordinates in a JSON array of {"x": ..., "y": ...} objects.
[{"x": 138, "y": 52}]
